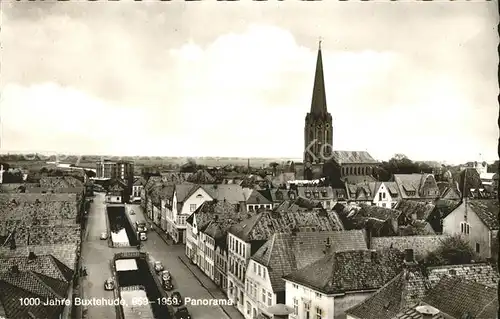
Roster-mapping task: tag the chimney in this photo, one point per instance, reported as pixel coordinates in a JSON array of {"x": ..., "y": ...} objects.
[
  {"x": 31, "y": 256},
  {"x": 14, "y": 269},
  {"x": 409, "y": 257}
]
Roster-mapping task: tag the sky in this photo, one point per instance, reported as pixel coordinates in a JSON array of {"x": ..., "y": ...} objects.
[{"x": 235, "y": 79}]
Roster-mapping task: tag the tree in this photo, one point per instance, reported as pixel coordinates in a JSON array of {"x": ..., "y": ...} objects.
[
  {"x": 12, "y": 177},
  {"x": 453, "y": 250}
]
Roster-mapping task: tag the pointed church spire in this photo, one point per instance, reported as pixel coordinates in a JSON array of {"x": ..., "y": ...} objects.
[{"x": 318, "y": 104}]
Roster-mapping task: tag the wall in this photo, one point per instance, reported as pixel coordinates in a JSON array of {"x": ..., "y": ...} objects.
[
  {"x": 260, "y": 282},
  {"x": 240, "y": 261},
  {"x": 197, "y": 198},
  {"x": 305, "y": 295},
  {"x": 342, "y": 303},
  {"x": 420, "y": 244},
  {"x": 478, "y": 233}
]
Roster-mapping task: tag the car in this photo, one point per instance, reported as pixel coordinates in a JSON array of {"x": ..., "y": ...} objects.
[
  {"x": 104, "y": 235},
  {"x": 109, "y": 284},
  {"x": 176, "y": 299},
  {"x": 143, "y": 236},
  {"x": 158, "y": 266},
  {"x": 182, "y": 313},
  {"x": 167, "y": 285},
  {"x": 165, "y": 275}
]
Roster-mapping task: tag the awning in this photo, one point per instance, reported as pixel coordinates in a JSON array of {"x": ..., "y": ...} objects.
[{"x": 125, "y": 264}]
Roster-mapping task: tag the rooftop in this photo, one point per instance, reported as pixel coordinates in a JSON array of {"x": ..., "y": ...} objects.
[
  {"x": 353, "y": 157},
  {"x": 487, "y": 210},
  {"x": 348, "y": 271},
  {"x": 287, "y": 252}
]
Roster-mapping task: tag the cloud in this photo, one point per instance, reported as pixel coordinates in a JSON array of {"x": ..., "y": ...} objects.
[{"x": 171, "y": 87}]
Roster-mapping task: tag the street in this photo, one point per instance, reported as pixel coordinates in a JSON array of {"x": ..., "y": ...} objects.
[
  {"x": 183, "y": 279},
  {"x": 97, "y": 255}
]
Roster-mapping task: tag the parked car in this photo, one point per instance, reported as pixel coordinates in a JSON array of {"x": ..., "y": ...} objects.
[
  {"x": 158, "y": 266},
  {"x": 176, "y": 299},
  {"x": 167, "y": 285},
  {"x": 143, "y": 236},
  {"x": 182, "y": 313},
  {"x": 165, "y": 275},
  {"x": 109, "y": 284},
  {"x": 104, "y": 235}
]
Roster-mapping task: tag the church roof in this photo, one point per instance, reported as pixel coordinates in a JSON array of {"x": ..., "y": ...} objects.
[{"x": 318, "y": 104}]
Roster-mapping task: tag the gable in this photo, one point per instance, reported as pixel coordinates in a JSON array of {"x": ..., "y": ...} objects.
[{"x": 199, "y": 194}]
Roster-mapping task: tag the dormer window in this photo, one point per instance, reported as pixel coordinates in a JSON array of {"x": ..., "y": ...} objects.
[
  {"x": 324, "y": 193},
  {"x": 308, "y": 194},
  {"x": 316, "y": 194}
]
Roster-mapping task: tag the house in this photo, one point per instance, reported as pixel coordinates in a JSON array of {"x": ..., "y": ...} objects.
[
  {"x": 415, "y": 210},
  {"x": 115, "y": 194},
  {"x": 354, "y": 163},
  {"x": 414, "y": 284},
  {"x": 206, "y": 229},
  {"x": 489, "y": 181},
  {"x": 186, "y": 198},
  {"x": 246, "y": 237},
  {"x": 256, "y": 200},
  {"x": 378, "y": 221},
  {"x": 455, "y": 298},
  {"x": 34, "y": 277},
  {"x": 137, "y": 187},
  {"x": 480, "y": 167},
  {"x": 476, "y": 220},
  {"x": 201, "y": 177},
  {"x": 278, "y": 195},
  {"x": 382, "y": 194},
  {"x": 449, "y": 191},
  {"x": 421, "y": 187},
  {"x": 442, "y": 207},
  {"x": 323, "y": 195},
  {"x": 284, "y": 253},
  {"x": 338, "y": 281}
]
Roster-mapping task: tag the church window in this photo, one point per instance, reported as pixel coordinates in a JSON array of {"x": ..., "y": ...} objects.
[{"x": 350, "y": 171}]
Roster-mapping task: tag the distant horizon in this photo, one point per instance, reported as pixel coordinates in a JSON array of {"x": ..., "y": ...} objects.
[
  {"x": 284, "y": 158},
  {"x": 415, "y": 78}
]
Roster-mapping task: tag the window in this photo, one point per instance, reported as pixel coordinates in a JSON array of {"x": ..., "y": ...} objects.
[
  {"x": 254, "y": 268},
  {"x": 295, "y": 306},
  {"x": 192, "y": 207},
  {"x": 478, "y": 248},
  {"x": 379, "y": 196},
  {"x": 264, "y": 273},
  {"x": 319, "y": 313},
  {"x": 318, "y": 295},
  {"x": 383, "y": 195},
  {"x": 249, "y": 308},
  {"x": 307, "y": 310},
  {"x": 263, "y": 296},
  {"x": 464, "y": 228},
  {"x": 241, "y": 297},
  {"x": 295, "y": 286},
  {"x": 327, "y": 204},
  {"x": 269, "y": 299},
  {"x": 260, "y": 273}
]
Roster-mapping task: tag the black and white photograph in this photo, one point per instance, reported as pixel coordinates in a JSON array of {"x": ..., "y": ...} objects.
[{"x": 249, "y": 159}]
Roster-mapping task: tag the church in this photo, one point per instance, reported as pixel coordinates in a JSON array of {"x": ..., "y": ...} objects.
[{"x": 320, "y": 158}]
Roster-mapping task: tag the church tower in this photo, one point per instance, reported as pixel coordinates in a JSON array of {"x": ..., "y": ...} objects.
[{"x": 318, "y": 124}]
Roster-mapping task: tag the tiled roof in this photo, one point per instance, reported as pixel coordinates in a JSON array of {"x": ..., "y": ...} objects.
[
  {"x": 64, "y": 252},
  {"x": 299, "y": 204},
  {"x": 487, "y": 210},
  {"x": 418, "y": 210},
  {"x": 171, "y": 178},
  {"x": 404, "y": 290},
  {"x": 353, "y": 157},
  {"x": 444, "y": 206},
  {"x": 11, "y": 294},
  {"x": 356, "y": 179},
  {"x": 201, "y": 177},
  {"x": 231, "y": 193},
  {"x": 139, "y": 181},
  {"x": 353, "y": 270},
  {"x": 378, "y": 219},
  {"x": 264, "y": 224},
  {"x": 412, "y": 313},
  {"x": 457, "y": 297},
  {"x": 60, "y": 182},
  {"x": 279, "y": 195},
  {"x": 481, "y": 273},
  {"x": 46, "y": 265},
  {"x": 183, "y": 191},
  {"x": 363, "y": 191},
  {"x": 256, "y": 197},
  {"x": 287, "y": 252},
  {"x": 415, "y": 183},
  {"x": 416, "y": 228},
  {"x": 315, "y": 193},
  {"x": 35, "y": 197}
]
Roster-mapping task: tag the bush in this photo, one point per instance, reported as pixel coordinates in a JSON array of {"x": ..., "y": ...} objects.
[{"x": 453, "y": 251}]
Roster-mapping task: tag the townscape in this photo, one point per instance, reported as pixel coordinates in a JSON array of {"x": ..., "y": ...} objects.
[{"x": 339, "y": 235}]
